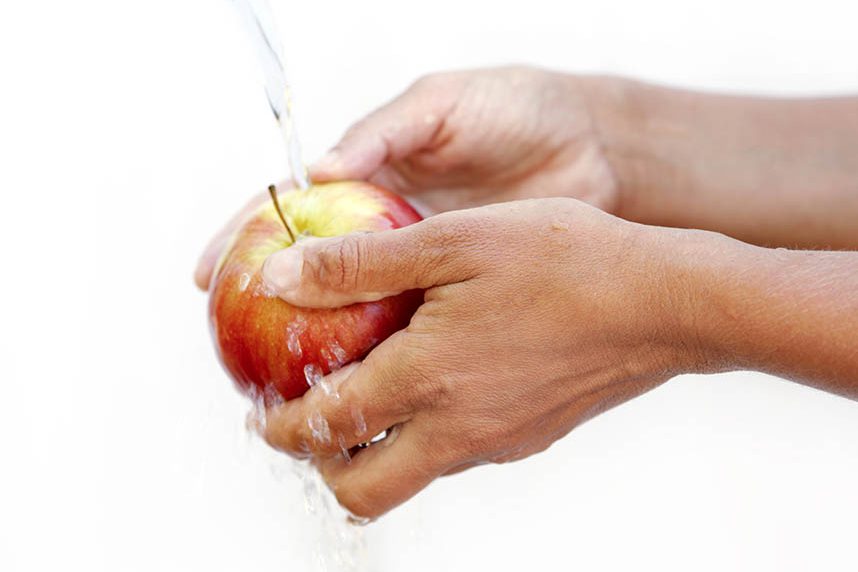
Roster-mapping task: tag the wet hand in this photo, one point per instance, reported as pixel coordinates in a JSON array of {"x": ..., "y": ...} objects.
[
  {"x": 538, "y": 315},
  {"x": 465, "y": 139}
]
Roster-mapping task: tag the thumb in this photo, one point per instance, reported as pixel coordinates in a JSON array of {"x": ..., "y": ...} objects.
[{"x": 343, "y": 270}]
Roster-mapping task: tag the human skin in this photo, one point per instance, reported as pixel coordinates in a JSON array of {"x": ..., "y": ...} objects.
[
  {"x": 772, "y": 172},
  {"x": 544, "y": 312}
]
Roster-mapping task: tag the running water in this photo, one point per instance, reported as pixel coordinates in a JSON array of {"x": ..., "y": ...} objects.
[
  {"x": 259, "y": 22},
  {"x": 341, "y": 546},
  {"x": 339, "y": 543}
]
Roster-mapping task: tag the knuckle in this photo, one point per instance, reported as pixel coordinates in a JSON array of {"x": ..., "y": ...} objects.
[
  {"x": 287, "y": 438},
  {"x": 432, "y": 391},
  {"x": 337, "y": 265},
  {"x": 303, "y": 435}
]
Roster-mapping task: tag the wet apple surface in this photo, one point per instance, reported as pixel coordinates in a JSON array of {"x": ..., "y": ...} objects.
[{"x": 273, "y": 349}]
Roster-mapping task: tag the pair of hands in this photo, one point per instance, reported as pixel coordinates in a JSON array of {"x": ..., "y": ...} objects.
[{"x": 539, "y": 312}]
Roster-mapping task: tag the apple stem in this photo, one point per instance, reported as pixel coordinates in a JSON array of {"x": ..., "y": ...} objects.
[{"x": 272, "y": 190}]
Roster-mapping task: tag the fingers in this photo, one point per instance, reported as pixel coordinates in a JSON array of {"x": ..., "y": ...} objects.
[
  {"x": 386, "y": 474},
  {"x": 347, "y": 407},
  {"x": 409, "y": 123},
  {"x": 212, "y": 252},
  {"x": 337, "y": 271}
]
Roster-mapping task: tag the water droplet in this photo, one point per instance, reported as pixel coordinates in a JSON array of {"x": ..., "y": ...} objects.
[
  {"x": 293, "y": 335},
  {"x": 255, "y": 421},
  {"x": 319, "y": 428},
  {"x": 341, "y": 441},
  {"x": 360, "y": 422},
  {"x": 329, "y": 388},
  {"x": 264, "y": 290},
  {"x": 358, "y": 520},
  {"x": 312, "y": 374},
  {"x": 243, "y": 281},
  {"x": 271, "y": 397},
  {"x": 334, "y": 355},
  {"x": 338, "y": 352},
  {"x": 329, "y": 359},
  {"x": 293, "y": 342}
]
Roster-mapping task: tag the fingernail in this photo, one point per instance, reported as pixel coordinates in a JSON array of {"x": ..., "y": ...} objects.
[{"x": 282, "y": 270}]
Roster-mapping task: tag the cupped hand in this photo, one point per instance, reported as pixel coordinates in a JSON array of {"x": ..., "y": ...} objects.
[
  {"x": 464, "y": 139},
  {"x": 538, "y": 315}
]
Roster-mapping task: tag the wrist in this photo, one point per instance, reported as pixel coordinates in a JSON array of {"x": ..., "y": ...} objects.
[
  {"x": 620, "y": 110},
  {"x": 667, "y": 282},
  {"x": 662, "y": 299},
  {"x": 717, "y": 289},
  {"x": 658, "y": 143}
]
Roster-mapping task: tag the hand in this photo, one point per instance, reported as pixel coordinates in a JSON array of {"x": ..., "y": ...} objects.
[
  {"x": 464, "y": 139},
  {"x": 538, "y": 315}
]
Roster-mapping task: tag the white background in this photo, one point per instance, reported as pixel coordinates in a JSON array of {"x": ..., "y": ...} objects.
[{"x": 129, "y": 131}]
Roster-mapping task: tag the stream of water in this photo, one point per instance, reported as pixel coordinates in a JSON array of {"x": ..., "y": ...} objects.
[
  {"x": 259, "y": 22},
  {"x": 341, "y": 546}
]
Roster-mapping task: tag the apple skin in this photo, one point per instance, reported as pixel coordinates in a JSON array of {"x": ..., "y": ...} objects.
[{"x": 273, "y": 349}]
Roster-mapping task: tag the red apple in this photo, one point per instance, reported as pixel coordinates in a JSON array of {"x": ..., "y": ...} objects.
[{"x": 271, "y": 347}]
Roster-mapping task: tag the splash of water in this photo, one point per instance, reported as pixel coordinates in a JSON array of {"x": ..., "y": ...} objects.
[
  {"x": 312, "y": 374},
  {"x": 340, "y": 544},
  {"x": 337, "y": 527},
  {"x": 320, "y": 431}
]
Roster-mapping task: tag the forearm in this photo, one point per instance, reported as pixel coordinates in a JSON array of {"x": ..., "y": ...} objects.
[
  {"x": 789, "y": 313},
  {"x": 774, "y": 172}
]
